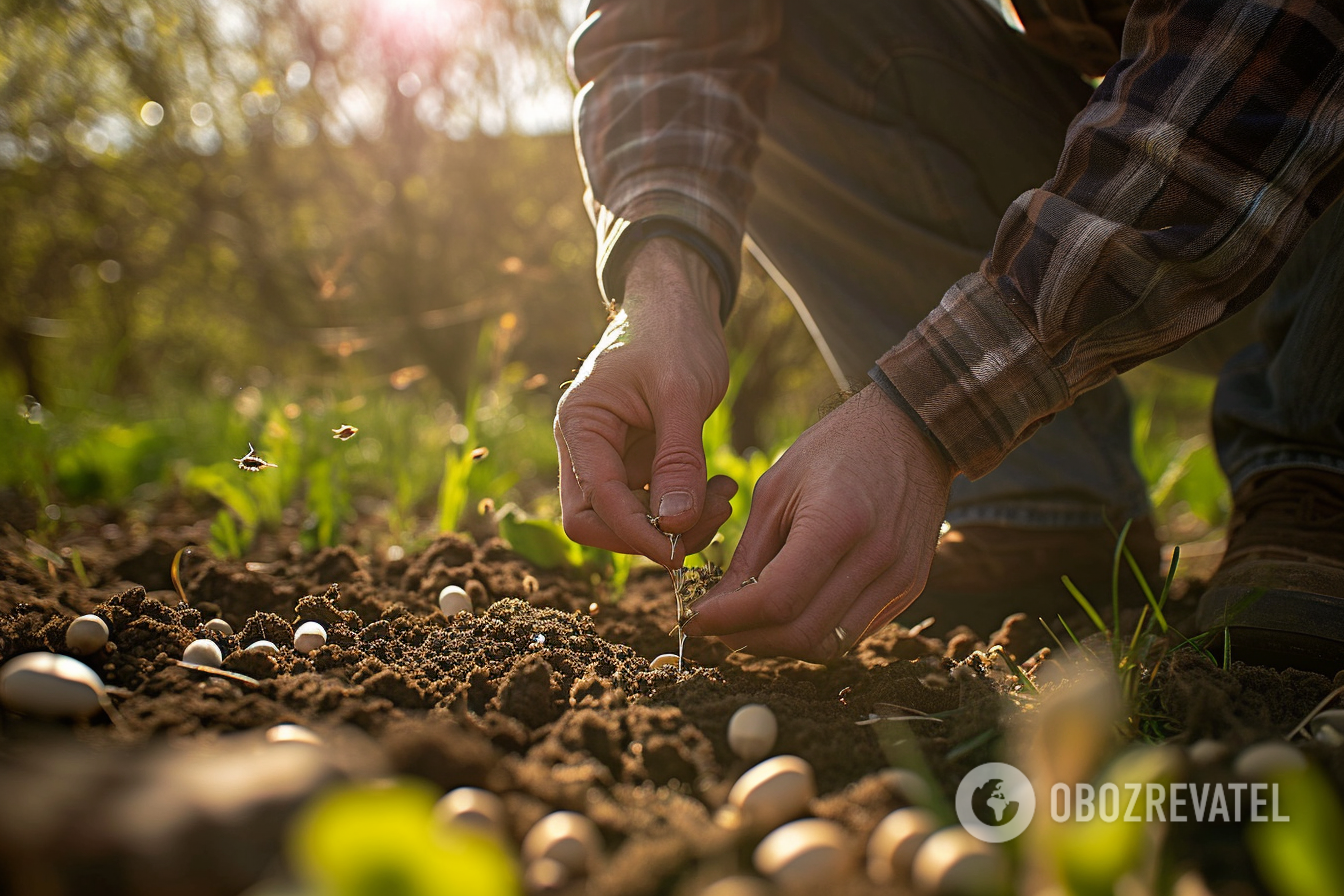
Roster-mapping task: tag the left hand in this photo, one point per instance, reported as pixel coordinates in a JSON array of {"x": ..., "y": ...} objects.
[{"x": 840, "y": 539}]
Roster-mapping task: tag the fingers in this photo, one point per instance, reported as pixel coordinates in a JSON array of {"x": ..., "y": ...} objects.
[
  {"x": 835, "y": 621},
  {"x": 597, "y": 507},
  {"x": 677, "y": 485},
  {"x": 784, "y": 587},
  {"x": 614, "y": 514}
]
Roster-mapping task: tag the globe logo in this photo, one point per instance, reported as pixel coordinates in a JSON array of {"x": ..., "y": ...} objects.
[
  {"x": 995, "y": 802},
  {"x": 991, "y": 805}
]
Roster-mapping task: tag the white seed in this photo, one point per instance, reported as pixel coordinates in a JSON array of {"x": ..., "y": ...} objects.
[
  {"x": 911, "y": 788},
  {"x": 203, "y": 652},
  {"x": 752, "y": 731},
  {"x": 454, "y": 600},
  {"x": 474, "y": 808},
  {"x": 737, "y": 885},
  {"x": 952, "y": 861},
  {"x": 1329, "y": 735},
  {"x": 1206, "y": 751},
  {"x": 545, "y": 876},
  {"x": 218, "y": 625},
  {"x": 1262, "y": 762},
  {"x": 51, "y": 685},
  {"x": 565, "y": 837},
  {"x": 86, "y": 634},
  {"x": 663, "y": 659},
  {"x": 309, "y": 637},
  {"x": 773, "y": 792},
  {"x": 803, "y": 855},
  {"x": 290, "y": 733},
  {"x": 1328, "y": 718},
  {"x": 265, "y": 647},
  {"x": 895, "y": 840}
]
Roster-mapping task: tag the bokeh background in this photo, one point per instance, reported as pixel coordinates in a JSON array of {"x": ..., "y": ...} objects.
[{"x": 252, "y": 221}]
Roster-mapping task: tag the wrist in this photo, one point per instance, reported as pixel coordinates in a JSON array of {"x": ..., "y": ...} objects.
[
  {"x": 909, "y": 428},
  {"x": 665, "y": 270}
]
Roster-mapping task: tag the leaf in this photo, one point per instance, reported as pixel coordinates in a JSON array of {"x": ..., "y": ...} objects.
[{"x": 541, "y": 541}]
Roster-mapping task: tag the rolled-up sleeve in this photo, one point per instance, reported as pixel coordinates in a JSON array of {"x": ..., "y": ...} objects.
[
  {"x": 667, "y": 120},
  {"x": 1211, "y": 146}
]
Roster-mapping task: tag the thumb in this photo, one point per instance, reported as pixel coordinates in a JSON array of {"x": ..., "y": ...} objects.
[{"x": 677, "y": 483}]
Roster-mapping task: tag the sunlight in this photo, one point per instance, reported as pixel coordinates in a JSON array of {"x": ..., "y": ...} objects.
[{"x": 420, "y": 24}]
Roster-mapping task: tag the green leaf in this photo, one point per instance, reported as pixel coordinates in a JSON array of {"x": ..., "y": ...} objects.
[{"x": 541, "y": 541}]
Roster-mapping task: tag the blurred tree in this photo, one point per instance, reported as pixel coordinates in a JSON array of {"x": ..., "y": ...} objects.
[{"x": 193, "y": 187}]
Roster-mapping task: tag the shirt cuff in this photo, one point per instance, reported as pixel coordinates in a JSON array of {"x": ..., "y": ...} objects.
[
  {"x": 976, "y": 377},
  {"x": 671, "y": 216}
]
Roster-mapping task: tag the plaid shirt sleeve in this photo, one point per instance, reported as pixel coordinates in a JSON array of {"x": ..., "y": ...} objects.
[
  {"x": 1184, "y": 184},
  {"x": 672, "y": 98}
]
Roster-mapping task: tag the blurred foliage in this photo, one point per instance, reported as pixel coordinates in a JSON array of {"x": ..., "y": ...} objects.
[
  {"x": 381, "y": 839},
  {"x": 1174, "y": 450},
  {"x": 253, "y": 220},
  {"x": 194, "y": 188}
]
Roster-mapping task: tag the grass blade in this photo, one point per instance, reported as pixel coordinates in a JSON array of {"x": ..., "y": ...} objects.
[
  {"x": 1085, "y": 604},
  {"x": 1021, "y": 674},
  {"x": 1115, "y": 580}
]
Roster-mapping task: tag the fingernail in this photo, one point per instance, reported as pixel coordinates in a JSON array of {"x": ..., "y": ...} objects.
[{"x": 674, "y": 503}]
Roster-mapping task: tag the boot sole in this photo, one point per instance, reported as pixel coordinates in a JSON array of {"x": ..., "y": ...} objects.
[{"x": 1280, "y": 628}]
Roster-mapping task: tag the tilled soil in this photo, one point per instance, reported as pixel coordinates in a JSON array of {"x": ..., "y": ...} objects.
[{"x": 544, "y": 695}]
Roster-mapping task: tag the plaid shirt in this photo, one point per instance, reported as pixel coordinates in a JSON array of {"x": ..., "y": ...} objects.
[{"x": 1213, "y": 143}]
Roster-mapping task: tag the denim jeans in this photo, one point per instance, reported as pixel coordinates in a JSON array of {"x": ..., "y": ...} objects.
[{"x": 899, "y": 132}]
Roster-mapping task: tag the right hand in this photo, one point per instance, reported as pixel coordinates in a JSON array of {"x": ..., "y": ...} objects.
[{"x": 634, "y": 415}]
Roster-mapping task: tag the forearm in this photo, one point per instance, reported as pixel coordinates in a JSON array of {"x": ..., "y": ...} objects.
[
  {"x": 1183, "y": 187},
  {"x": 672, "y": 100}
]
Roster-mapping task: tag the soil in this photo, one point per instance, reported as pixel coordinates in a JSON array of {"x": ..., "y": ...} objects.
[{"x": 544, "y": 695}]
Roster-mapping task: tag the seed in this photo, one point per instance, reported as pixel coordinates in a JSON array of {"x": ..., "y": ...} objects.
[
  {"x": 737, "y": 885},
  {"x": 1328, "y": 718},
  {"x": 51, "y": 685},
  {"x": 218, "y": 625},
  {"x": 203, "y": 652},
  {"x": 480, "y": 453},
  {"x": 86, "y": 634},
  {"x": 454, "y": 600},
  {"x": 664, "y": 659},
  {"x": 952, "y": 861},
  {"x": 895, "y": 840},
  {"x": 309, "y": 637},
  {"x": 1265, "y": 761},
  {"x": 568, "y": 838},
  {"x": 773, "y": 792},
  {"x": 344, "y": 432},
  {"x": 530, "y": 584},
  {"x": 1206, "y": 751},
  {"x": 474, "y": 808},
  {"x": 803, "y": 855},
  {"x": 752, "y": 731},
  {"x": 289, "y": 733},
  {"x": 265, "y": 647},
  {"x": 545, "y": 876}
]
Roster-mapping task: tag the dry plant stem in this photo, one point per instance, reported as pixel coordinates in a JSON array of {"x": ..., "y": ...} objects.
[{"x": 1311, "y": 715}]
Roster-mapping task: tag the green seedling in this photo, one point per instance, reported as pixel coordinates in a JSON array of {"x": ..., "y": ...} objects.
[
  {"x": 542, "y": 541},
  {"x": 175, "y": 572}
]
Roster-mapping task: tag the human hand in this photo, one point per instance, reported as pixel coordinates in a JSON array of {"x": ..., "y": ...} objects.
[
  {"x": 634, "y": 415},
  {"x": 840, "y": 538}
]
